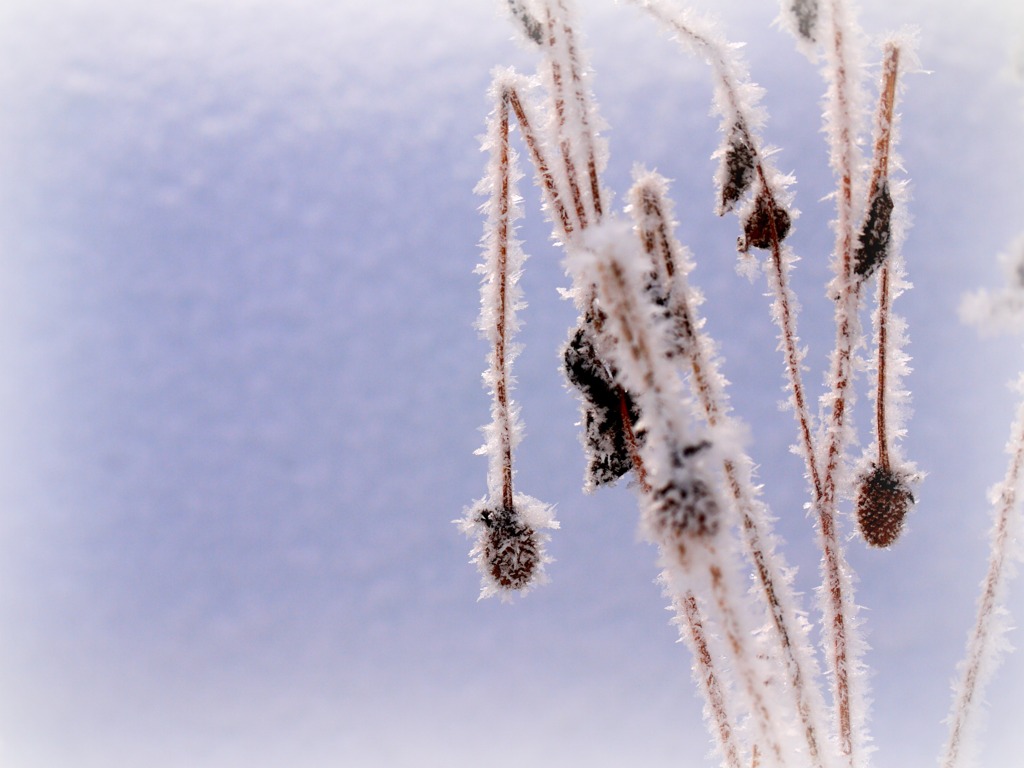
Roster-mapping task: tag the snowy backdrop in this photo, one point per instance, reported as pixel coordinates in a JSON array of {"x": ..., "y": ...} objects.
[{"x": 241, "y": 387}]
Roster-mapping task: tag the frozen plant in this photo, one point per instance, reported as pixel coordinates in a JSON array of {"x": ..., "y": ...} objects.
[{"x": 655, "y": 405}]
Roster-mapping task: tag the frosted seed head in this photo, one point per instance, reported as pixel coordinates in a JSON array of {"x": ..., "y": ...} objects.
[
  {"x": 605, "y": 438},
  {"x": 806, "y": 13},
  {"x": 738, "y": 169},
  {"x": 766, "y": 223},
  {"x": 509, "y": 550},
  {"x": 875, "y": 234},
  {"x": 883, "y": 500},
  {"x": 685, "y": 507}
]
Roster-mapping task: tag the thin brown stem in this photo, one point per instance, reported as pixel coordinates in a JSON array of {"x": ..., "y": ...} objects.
[
  {"x": 879, "y": 176},
  {"x": 540, "y": 162},
  {"x": 709, "y": 680},
  {"x": 500, "y": 354},
  {"x": 583, "y": 103},
  {"x": 564, "y": 143},
  {"x": 884, "y": 300}
]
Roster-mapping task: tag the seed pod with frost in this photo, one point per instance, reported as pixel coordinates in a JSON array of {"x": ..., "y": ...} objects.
[
  {"x": 806, "y": 13},
  {"x": 883, "y": 500},
  {"x": 875, "y": 234},
  {"x": 738, "y": 168},
  {"x": 765, "y": 216},
  {"x": 605, "y": 433}
]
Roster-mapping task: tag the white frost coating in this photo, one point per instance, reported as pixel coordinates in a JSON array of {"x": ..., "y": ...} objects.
[
  {"x": 987, "y": 643},
  {"x": 509, "y": 552}
]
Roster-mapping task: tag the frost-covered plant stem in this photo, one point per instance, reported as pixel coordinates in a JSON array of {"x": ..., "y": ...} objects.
[
  {"x": 837, "y": 598},
  {"x": 509, "y": 549},
  {"x": 682, "y": 511},
  {"x": 986, "y": 643},
  {"x": 716, "y": 710},
  {"x": 649, "y": 204}
]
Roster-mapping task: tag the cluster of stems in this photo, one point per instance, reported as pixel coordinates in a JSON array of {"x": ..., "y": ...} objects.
[{"x": 640, "y": 340}]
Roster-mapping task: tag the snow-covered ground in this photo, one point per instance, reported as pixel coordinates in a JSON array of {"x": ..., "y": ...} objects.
[{"x": 241, "y": 387}]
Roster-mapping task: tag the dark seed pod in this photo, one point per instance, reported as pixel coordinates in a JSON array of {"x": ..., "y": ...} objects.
[
  {"x": 873, "y": 241},
  {"x": 685, "y": 507},
  {"x": 687, "y": 510},
  {"x": 509, "y": 548},
  {"x": 739, "y": 169},
  {"x": 883, "y": 501},
  {"x": 531, "y": 25},
  {"x": 806, "y": 14},
  {"x": 608, "y": 455},
  {"x": 763, "y": 219}
]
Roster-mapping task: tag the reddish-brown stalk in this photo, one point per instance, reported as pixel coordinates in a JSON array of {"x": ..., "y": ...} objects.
[
  {"x": 689, "y": 609},
  {"x": 500, "y": 362},
  {"x": 584, "y": 108},
  {"x": 536, "y": 150},
  {"x": 879, "y": 175},
  {"x": 558, "y": 100}
]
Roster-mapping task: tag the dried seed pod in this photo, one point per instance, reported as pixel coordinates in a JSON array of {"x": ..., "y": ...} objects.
[
  {"x": 509, "y": 549},
  {"x": 883, "y": 500},
  {"x": 806, "y": 14},
  {"x": 685, "y": 507},
  {"x": 873, "y": 241},
  {"x": 608, "y": 454},
  {"x": 766, "y": 222},
  {"x": 738, "y": 169}
]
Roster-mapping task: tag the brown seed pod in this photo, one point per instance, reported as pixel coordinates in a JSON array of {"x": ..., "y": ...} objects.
[
  {"x": 738, "y": 168},
  {"x": 685, "y": 507},
  {"x": 766, "y": 216},
  {"x": 509, "y": 548},
  {"x": 883, "y": 500}
]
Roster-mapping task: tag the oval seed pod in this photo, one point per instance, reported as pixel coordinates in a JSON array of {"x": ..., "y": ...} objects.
[
  {"x": 805, "y": 12},
  {"x": 685, "y": 506},
  {"x": 509, "y": 549},
  {"x": 883, "y": 500},
  {"x": 758, "y": 227},
  {"x": 737, "y": 172},
  {"x": 873, "y": 241}
]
